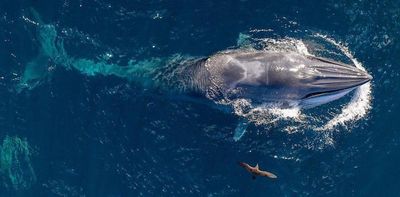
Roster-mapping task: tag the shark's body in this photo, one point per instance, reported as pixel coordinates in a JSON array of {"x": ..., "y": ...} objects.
[{"x": 256, "y": 171}]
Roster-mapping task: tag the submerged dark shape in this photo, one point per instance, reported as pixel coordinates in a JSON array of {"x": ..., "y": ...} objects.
[{"x": 255, "y": 171}]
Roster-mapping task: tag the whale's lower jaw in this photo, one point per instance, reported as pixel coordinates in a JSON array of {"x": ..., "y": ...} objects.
[{"x": 323, "y": 99}]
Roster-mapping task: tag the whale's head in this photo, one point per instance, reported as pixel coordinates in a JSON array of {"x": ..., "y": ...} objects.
[
  {"x": 329, "y": 80},
  {"x": 289, "y": 79}
]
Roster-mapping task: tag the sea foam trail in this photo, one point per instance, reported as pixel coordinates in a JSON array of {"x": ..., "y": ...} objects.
[{"x": 52, "y": 53}]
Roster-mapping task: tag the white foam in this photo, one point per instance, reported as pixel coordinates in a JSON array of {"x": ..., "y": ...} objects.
[
  {"x": 268, "y": 114},
  {"x": 356, "y": 109},
  {"x": 30, "y": 21},
  {"x": 301, "y": 47}
]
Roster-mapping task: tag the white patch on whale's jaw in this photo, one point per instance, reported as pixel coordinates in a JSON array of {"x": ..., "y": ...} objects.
[{"x": 320, "y": 100}]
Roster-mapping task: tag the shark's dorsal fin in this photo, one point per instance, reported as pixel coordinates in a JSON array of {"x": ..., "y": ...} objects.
[{"x": 257, "y": 167}]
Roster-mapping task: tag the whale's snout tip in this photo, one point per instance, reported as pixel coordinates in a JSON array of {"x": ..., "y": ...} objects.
[
  {"x": 365, "y": 77},
  {"x": 369, "y": 77},
  {"x": 340, "y": 76}
]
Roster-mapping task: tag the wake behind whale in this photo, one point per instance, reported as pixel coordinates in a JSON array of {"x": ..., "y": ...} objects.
[{"x": 260, "y": 85}]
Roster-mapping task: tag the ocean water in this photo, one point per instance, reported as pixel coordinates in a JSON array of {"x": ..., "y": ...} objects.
[{"x": 79, "y": 114}]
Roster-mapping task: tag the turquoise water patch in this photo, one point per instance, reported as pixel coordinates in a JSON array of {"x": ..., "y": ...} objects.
[
  {"x": 52, "y": 53},
  {"x": 152, "y": 72},
  {"x": 15, "y": 164}
]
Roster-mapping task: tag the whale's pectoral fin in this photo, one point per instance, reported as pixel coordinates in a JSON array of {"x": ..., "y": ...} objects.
[
  {"x": 240, "y": 129},
  {"x": 243, "y": 40}
]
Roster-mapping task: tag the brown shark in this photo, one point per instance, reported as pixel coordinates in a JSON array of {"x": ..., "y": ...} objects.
[{"x": 255, "y": 171}]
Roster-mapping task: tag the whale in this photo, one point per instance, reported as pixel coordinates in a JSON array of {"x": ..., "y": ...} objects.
[
  {"x": 263, "y": 77},
  {"x": 286, "y": 79}
]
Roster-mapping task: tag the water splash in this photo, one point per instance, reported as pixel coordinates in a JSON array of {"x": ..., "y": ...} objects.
[{"x": 268, "y": 114}]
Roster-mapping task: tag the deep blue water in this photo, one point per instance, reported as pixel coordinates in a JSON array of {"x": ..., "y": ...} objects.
[{"x": 71, "y": 134}]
